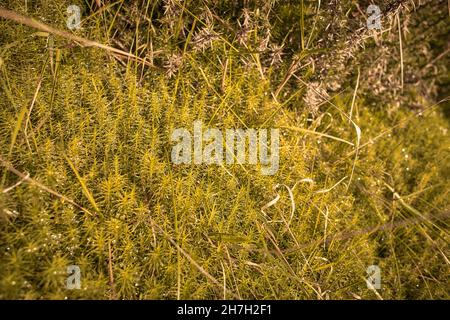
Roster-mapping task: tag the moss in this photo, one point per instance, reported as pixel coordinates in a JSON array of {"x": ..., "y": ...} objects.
[{"x": 99, "y": 134}]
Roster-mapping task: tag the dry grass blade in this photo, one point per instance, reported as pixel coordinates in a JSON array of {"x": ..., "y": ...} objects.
[
  {"x": 85, "y": 189},
  {"x": 111, "y": 274},
  {"x": 27, "y": 178},
  {"x": 317, "y": 134},
  {"x": 31, "y": 110},
  {"x": 388, "y": 226},
  {"x": 289, "y": 73},
  {"x": 191, "y": 260},
  {"x": 18, "y": 183},
  {"x": 14, "y": 16}
]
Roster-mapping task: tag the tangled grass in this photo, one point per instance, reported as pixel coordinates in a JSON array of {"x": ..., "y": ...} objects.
[{"x": 85, "y": 148}]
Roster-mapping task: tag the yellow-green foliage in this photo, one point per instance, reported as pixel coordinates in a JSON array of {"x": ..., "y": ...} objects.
[{"x": 99, "y": 134}]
